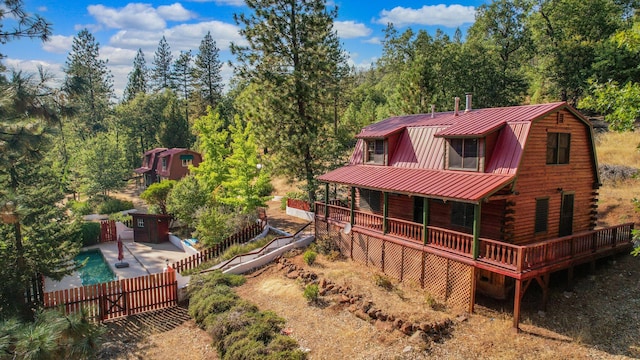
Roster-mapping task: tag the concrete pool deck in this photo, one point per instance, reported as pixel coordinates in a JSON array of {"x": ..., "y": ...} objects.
[{"x": 143, "y": 258}]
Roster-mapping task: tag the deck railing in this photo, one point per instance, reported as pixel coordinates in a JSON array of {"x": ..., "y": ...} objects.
[
  {"x": 450, "y": 240},
  {"x": 405, "y": 229},
  {"x": 518, "y": 258}
]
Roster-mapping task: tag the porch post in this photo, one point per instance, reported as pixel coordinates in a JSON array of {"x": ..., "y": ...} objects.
[
  {"x": 476, "y": 231},
  {"x": 385, "y": 212},
  {"x": 516, "y": 305},
  {"x": 353, "y": 204},
  {"x": 425, "y": 220},
  {"x": 326, "y": 201}
]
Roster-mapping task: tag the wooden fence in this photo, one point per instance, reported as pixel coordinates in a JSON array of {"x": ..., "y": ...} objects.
[
  {"x": 298, "y": 204},
  {"x": 240, "y": 237},
  {"x": 108, "y": 231},
  {"x": 118, "y": 298}
]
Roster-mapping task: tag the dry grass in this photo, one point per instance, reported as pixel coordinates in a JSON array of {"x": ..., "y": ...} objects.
[
  {"x": 618, "y": 148},
  {"x": 282, "y": 185}
]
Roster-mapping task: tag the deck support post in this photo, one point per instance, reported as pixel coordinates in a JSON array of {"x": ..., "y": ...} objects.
[
  {"x": 475, "y": 251},
  {"x": 473, "y": 289},
  {"x": 543, "y": 281},
  {"x": 516, "y": 305},
  {"x": 425, "y": 220},
  {"x": 353, "y": 205},
  {"x": 326, "y": 201},
  {"x": 385, "y": 212}
]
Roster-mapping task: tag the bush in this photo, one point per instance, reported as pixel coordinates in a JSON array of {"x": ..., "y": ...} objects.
[
  {"x": 311, "y": 292},
  {"x": 239, "y": 330},
  {"x": 309, "y": 257},
  {"x": 383, "y": 282},
  {"x": 90, "y": 233},
  {"x": 298, "y": 195},
  {"x": 111, "y": 205},
  {"x": 80, "y": 208}
]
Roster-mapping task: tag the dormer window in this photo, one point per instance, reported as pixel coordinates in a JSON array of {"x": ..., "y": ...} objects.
[
  {"x": 375, "y": 152},
  {"x": 463, "y": 154},
  {"x": 164, "y": 163}
]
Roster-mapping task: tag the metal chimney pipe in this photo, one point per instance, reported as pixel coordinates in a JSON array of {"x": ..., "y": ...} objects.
[
  {"x": 468, "y": 104},
  {"x": 433, "y": 111},
  {"x": 456, "y": 106}
]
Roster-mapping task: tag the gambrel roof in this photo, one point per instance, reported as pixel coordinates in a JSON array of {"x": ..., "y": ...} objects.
[{"x": 416, "y": 166}]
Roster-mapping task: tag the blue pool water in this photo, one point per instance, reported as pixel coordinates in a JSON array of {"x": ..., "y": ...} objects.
[{"x": 96, "y": 269}]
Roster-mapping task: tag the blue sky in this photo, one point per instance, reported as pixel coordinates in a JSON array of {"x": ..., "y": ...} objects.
[{"x": 122, "y": 27}]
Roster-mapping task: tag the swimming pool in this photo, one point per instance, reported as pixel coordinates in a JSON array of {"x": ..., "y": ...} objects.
[{"x": 96, "y": 269}]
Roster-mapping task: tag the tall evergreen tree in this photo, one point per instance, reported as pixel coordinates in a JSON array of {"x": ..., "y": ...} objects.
[
  {"x": 289, "y": 57},
  {"x": 138, "y": 77},
  {"x": 26, "y": 25},
  {"x": 162, "y": 61},
  {"x": 207, "y": 71},
  {"x": 88, "y": 85},
  {"x": 183, "y": 75},
  {"x": 174, "y": 129},
  {"x": 35, "y": 236}
]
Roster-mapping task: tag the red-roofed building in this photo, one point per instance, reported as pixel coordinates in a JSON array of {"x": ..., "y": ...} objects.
[
  {"x": 485, "y": 199},
  {"x": 167, "y": 164}
]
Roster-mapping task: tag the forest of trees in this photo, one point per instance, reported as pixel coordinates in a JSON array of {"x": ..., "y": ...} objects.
[{"x": 293, "y": 105}]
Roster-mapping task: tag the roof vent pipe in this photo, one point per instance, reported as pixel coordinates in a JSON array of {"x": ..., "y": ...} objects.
[
  {"x": 468, "y": 104},
  {"x": 456, "y": 107},
  {"x": 433, "y": 111}
]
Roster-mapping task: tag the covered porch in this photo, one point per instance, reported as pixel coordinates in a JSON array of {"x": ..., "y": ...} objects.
[{"x": 528, "y": 263}]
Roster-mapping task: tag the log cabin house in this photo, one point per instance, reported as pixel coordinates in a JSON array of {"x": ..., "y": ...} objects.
[
  {"x": 166, "y": 164},
  {"x": 487, "y": 200}
]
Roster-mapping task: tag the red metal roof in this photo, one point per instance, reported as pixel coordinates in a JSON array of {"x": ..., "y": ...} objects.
[
  {"x": 458, "y": 185},
  {"x": 419, "y": 149},
  {"x": 149, "y": 164},
  {"x": 509, "y": 148},
  {"x": 481, "y": 122},
  {"x": 394, "y": 124}
]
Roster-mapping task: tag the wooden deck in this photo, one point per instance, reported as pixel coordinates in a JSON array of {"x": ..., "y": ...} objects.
[{"x": 517, "y": 261}]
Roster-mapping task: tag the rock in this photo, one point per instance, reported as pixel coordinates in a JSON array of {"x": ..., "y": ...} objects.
[
  {"x": 352, "y": 300},
  {"x": 381, "y": 316},
  {"x": 407, "y": 349},
  {"x": 418, "y": 337},
  {"x": 323, "y": 283},
  {"x": 541, "y": 313},
  {"x": 462, "y": 318},
  {"x": 322, "y": 292},
  {"x": 366, "y": 305},
  {"x": 425, "y": 327},
  {"x": 344, "y": 299},
  {"x": 391, "y": 318},
  {"x": 383, "y": 325},
  {"x": 352, "y": 308},
  {"x": 329, "y": 287},
  {"x": 372, "y": 313},
  {"x": 397, "y": 323},
  {"x": 567, "y": 294},
  {"x": 407, "y": 328},
  {"x": 293, "y": 275},
  {"x": 362, "y": 315}
]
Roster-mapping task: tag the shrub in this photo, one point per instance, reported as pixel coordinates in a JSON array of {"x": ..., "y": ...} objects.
[
  {"x": 298, "y": 195},
  {"x": 311, "y": 292},
  {"x": 80, "y": 208},
  {"x": 383, "y": 282},
  {"x": 326, "y": 246},
  {"x": 90, "y": 233},
  {"x": 309, "y": 257},
  {"x": 111, "y": 205},
  {"x": 123, "y": 218}
]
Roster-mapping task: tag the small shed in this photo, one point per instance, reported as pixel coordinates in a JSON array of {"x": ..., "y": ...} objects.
[{"x": 151, "y": 228}]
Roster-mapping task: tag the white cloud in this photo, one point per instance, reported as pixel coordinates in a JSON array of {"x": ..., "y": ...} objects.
[
  {"x": 374, "y": 40},
  {"x": 117, "y": 56},
  {"x": 58, "y": 44},
  {"x": 31, "y": 67},
  {"x": 139, "y": 16},
  {"x": 445, "y": 15},
  {"x": 351, "y": 29},
  {"x": 175, "y": 12},
  {"x": 42, "y": 9}
]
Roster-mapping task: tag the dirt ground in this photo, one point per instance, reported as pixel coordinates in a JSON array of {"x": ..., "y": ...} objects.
[{"x": 599, "y": 318}]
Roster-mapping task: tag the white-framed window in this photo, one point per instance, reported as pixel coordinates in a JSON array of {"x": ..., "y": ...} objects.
[
  {"x": 186, "y": 162},
  {"x": 140, "y": 223},
  {"x": 164, "y": 163}
]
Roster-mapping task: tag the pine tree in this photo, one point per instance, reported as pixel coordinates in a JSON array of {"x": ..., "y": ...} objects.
[
  {"x": 88, "y": 85},
  {"x": 138, "y": 81},
  {"x": 25, "y": 24},
  {"x": 183, "y": 74},
  {"x": 174, "y": 130},
  {"x": 162, "y": 61},
  {"x": 207, "y": 71},
  {"x": 290, "y": 57}
]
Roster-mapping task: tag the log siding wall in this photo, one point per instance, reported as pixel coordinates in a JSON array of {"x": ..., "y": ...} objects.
[{"x": 536, "y": 179}]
